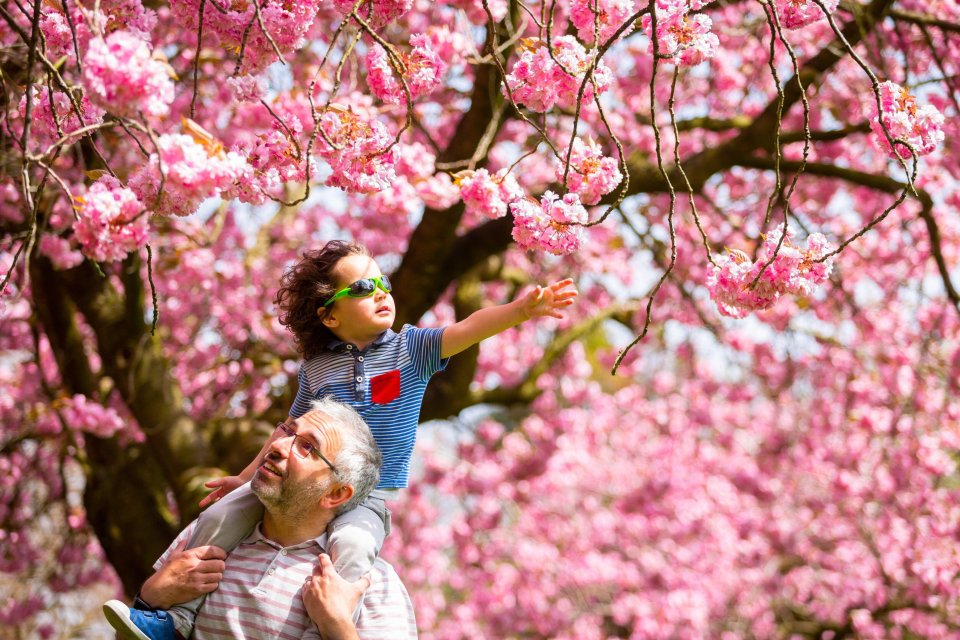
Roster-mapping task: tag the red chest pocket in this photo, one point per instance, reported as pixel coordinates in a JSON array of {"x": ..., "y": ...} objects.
[{"x": 385, "y": 387}]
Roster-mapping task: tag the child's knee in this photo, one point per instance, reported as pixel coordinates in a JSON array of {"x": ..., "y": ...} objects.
[{"x": 353, "y": 551}]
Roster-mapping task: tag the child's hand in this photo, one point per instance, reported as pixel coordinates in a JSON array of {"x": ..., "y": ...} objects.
[
  {"x": 221, "y": 487},
  {"x": 548, "y": 301}
]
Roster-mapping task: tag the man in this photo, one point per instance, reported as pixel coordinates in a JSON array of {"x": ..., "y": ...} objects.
[{"x": 278, "y": 583}]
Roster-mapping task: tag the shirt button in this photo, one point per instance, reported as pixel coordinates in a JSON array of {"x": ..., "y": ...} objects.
[
  {"x": 349, "y": 347},
  {"x": 360, "y": 358},
  {"x": 270, "y": 572},
  {"x": 359, "y": 378},
  {"x": 283, "y": 552}
]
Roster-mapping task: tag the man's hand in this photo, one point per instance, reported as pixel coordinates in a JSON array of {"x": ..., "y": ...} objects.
[
  {"x": 330, "y": 600},
  {"x": 550, "y": 300},
  {"x": 185, "y": 575},
  {"x": 221, "y": 487}
]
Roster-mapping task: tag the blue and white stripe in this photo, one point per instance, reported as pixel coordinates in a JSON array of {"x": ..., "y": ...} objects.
[{"x": 344, "y": 373}]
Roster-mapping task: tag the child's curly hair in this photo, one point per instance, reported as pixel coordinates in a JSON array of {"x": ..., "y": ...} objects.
[{"x": 304, "y": 288}]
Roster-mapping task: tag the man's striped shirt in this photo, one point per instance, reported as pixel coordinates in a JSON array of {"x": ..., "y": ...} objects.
[
  {"x": 384, "y": 383},
  {"x": 259, "y": 597}
]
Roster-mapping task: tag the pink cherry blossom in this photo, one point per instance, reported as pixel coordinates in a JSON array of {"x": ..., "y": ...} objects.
[
  {"x": 687, "y": 38},
  {"x": 486, "y": 194},
  {"x": 475, "y": 11},
  {"x": 552, "y": 225},
  {"x": 607, "y": 15},
  {"x": 794, "y": 14},
  {"x": 789, "y": 475},
  {"x": 357, "y": 150},
  {"x": 188, "y": 172},
  {"x": 59, "y": 251},
  {"x": 794, "y": 271},
  {"x": 237, "y": 28},
  {"x": 110, "y": 221},
  {"x": 539, "y": 83},
  {"x": 124, "y": 79},
  {"x": 423, "y": 71},
  {"x": 47, "y": 119},
  {"x": 919, "y": 125},
  {"x": 592, "y": 174},
  {"x": 377, "y": 13}
]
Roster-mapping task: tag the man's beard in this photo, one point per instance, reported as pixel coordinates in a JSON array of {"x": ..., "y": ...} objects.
[{"x": 288, "y": 499}]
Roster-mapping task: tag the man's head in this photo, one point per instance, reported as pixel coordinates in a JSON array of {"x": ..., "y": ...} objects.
[{"x": 295, "y": 481}]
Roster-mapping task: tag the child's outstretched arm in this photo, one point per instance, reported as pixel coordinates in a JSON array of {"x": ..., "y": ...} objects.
[{"x": 540, "y": 301}]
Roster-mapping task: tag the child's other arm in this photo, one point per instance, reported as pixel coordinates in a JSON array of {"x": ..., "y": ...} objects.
[
  {"x": 222, "y": 486},
  {"x": 540, "y": 301}
]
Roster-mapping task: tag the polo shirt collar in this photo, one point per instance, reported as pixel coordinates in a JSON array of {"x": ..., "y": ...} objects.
[
  {"x": 257, "y": 536},
  {"x": 338, "y": 346}
]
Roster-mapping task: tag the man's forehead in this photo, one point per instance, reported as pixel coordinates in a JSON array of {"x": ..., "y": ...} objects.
[{"x": 323, "y": 426}]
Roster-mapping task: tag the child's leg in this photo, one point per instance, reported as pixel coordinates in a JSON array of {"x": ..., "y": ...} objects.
[
  {"x": 354, "y": 538},
  {"x": 224, "y": 524}
]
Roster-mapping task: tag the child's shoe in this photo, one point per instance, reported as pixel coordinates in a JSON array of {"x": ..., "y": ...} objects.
[{"x": 137, "y": 624}]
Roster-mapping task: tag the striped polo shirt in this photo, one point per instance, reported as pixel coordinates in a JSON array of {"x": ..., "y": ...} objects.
[
  {"x": 384, "y": 383},
  {"x": 259, "y": 597}
]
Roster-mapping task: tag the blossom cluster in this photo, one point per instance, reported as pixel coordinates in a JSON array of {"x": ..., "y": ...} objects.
[
  {"x": 376, "y": 13},
  {"x": 110, "y": 16},
  {"x": 422, "y": 71},
  {"x": 80, "y": 413},
  {"x": 605, "y": 16},
  {"x": 476, "y": 12},
  {"x": 554, "y": 224},
  {"x": 919, "y": 126},
  {"x": 59, "y": 251},
  {"x": 685, "y": 38},
  {"x": 592, "y": 175},
  {"x": 540, "y": 81},
  {"x": 357, "y": 150},
  {"x": 47, "y": 116},
  {"x": 488, "y": 195},
  {"x": 123, "y": 78},
  {"x": 110, "y": 221},
  {"x": 794, "y": 14},
  {"x": 286, "y": 22},
  {"x": 793, "y": 271},
  {"x": 183, "y": 172}
]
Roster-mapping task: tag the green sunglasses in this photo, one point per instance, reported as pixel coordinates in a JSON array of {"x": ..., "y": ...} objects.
[{"x": 363, "y": 288}]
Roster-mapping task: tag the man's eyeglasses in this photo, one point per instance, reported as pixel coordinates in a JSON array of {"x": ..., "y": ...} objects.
[
  {"x": 303, "y": 447},
  {"x": 363, "y": 288}
]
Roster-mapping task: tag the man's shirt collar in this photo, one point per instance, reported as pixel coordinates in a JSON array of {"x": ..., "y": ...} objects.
[{"x": 257, "y": 536}]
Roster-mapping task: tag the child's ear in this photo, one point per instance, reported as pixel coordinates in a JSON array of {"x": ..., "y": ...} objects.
[{"x": 326, "y": 316}]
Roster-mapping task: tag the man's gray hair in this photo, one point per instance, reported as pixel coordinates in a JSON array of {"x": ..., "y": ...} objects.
[{"x": 358, "y": 462}]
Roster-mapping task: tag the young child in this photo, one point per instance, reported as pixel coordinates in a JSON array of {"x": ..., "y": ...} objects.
[{"x": 339, "y": 307}]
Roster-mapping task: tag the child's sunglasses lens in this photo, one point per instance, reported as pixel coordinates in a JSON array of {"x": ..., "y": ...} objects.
[
  {"x": 367, "y": 286},
  {"x": 363, "y": 288}
]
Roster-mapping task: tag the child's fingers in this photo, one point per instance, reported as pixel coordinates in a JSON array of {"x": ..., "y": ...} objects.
[
  {"x": 210, "y": 498},
  {"x": 212, "y": 552},
  {"x": 324, "y": 563},
  {"x": 364, "y": 582},
  {"x": 212, "y": 484}
]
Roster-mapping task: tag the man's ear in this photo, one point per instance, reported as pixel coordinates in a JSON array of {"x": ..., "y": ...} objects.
[{"x": 337, "y": 496}]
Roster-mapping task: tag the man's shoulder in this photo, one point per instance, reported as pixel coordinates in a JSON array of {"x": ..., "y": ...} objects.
[{"x": 387, "y": 610}]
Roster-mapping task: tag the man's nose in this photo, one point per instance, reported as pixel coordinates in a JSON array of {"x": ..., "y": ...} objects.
[{"x": 281, "y": 446}]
